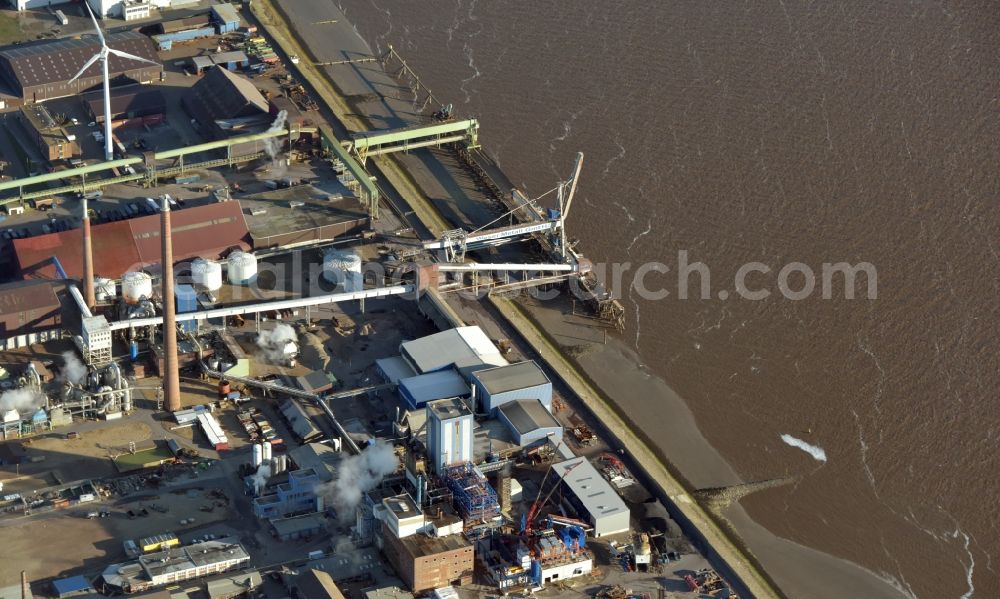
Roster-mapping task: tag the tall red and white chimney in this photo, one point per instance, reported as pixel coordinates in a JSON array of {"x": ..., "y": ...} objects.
[
  {"x": 171, "y": 377},
  {"x": 88, "y": 259}
]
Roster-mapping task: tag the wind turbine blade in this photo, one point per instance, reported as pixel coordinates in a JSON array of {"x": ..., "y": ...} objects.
[
  {"x": 86, "y": 66},
  {"x": 121, "y": 54},
  {"x": 97, "y": 27}
]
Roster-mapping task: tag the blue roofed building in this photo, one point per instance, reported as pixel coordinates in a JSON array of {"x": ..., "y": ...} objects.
[
  {"x": 72, "y": 587},
  {"x": 416, "y": 391}
]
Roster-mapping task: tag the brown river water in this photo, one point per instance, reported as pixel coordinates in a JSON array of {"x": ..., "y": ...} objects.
[{"x": 779, "y": 132}]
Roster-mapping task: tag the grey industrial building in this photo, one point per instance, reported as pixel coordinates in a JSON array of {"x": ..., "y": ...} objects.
[
  {"x": 127, "y": 104},
  {"x": 418, "y": 390},
  {"x": 593, "y": 497},
  {"x": 224, "y": 103},
  {"x": 503, "y": 384},
  {"x": 35, "y": 311},
  {"x": 299, "y": 421},
  {"x": 466, "y": 348},
  {"x": 529, "y": 421},
  {"x": 39, "y": 71},
  {"x": 176, "y": 564},
  {"x": 318, "y": 457}
]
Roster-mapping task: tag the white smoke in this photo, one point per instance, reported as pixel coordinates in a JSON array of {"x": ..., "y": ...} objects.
[
  {"x": 24, "y": 400},
  {"x": 813, "y": 450},
  {"x": 357, "y": 475},
  {"x": 260, "y": 477},
  {"x": 272, "y": 145},
  {"x": 278, "y": 344},
  {"x": 73, "y": 371}
]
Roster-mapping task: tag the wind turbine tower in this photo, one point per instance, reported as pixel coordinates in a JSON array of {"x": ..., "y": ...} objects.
[{"x": 103, "y": 56}]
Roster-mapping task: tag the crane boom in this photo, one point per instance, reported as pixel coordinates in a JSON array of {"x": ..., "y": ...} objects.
[{"x": 529, "y": 521}]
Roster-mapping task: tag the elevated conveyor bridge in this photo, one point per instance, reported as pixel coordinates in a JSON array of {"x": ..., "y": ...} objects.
[{"x": 377, "y": 143}]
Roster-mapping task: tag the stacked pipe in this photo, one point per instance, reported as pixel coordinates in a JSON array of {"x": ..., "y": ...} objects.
[
  {"x": 88, "y": 259},
  {"x": 171, "y": 377}
]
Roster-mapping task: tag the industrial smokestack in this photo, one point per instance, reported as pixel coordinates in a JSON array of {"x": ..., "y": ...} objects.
[
  {"x": 88, "y": 259},
  {"x": 171, "y": 378},
  {"x": 25, "y": 588}
]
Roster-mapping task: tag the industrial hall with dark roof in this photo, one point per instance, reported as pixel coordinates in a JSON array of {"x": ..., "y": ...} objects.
[{"x": 40, "y": 71}]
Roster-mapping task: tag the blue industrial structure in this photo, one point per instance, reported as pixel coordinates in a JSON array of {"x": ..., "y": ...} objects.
[
  {"x": 418, "y": 390},
  {"x": 165, "y": 41},
  {"x": 298, "y": 495},
  {"x": 474, "y": 497},
  {"x": 187, "y": 301}
]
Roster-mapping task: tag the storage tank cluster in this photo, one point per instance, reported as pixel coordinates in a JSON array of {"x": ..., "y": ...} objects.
[
  {"x": 136, "y": 286},
  {"x": 207, "y": 274},
  {"x": 263, "y": 455},
  {"x": 241, "y": 268},
  {"x": 343, "y": 267}
]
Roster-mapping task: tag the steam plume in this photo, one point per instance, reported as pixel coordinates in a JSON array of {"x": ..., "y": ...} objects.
[
  {"x": 278, "y": 344},
  {"x": 359, "y": 474},
  {"x": 23, "y": 400},
  {"x": 73, "y": 371}
]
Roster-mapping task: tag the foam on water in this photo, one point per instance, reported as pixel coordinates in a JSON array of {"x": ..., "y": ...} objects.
[{"x": 814, "y": 450}]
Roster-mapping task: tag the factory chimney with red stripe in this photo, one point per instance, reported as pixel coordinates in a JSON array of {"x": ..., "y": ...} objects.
[{"x": 171, "y": 377}]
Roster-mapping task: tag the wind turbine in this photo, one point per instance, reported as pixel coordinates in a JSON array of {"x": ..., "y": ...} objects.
[{"x": 109, "y": 153}]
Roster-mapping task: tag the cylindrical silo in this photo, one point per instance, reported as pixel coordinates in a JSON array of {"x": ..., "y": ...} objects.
[
  {"x": 343, "y": 267},
  {"x": 207, "y": 274},
  {"x": 267, "y": 451},
  {"x": 242, "y": 268},
  {"x": 135, "y": 286},
  {"x": 258, "y": 455}
]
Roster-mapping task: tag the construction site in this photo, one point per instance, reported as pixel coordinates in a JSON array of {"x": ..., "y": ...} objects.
[{"x": 235, "y": 354}]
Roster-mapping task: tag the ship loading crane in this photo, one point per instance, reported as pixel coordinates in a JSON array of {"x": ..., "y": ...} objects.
[{"x": 457, "y": 242}]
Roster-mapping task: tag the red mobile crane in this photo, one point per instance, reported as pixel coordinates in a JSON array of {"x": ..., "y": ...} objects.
[{"x": 529, "y": 521}]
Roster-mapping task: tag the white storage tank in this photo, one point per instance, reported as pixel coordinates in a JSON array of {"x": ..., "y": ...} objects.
[
  {"x": 258, "y": 455},
  {"x": 343, "y": 267},
  {"x": 207, "y": 274},
  {"x": 135, "y": 286},
  {"x": 242, "y": 268},
  {"x": 104, "y": 289}
]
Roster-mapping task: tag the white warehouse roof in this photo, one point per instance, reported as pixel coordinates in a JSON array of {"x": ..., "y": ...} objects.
[
  {"x": 460, "y": 347},
  {"x": 606, "y": 509}
]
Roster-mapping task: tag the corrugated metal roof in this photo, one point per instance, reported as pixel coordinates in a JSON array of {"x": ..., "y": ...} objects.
[
  {"x": 511, "y": 377},
  {"x": 527, "y": 415},
  {"x": 222, "y": 94},
  {"x": 207, "y": 231},
  {"x": 132, "y": 99},
  {"x": 226, "y": 12},
  {"x": 18, "y": 297},
  {"x": 423, "y": 388},
  {"x": 316, "y": 584},
  {"x": 74, "y": 584},
  {"x": 460, "y": 347},
  {"x": 395, "y": 368},
  {"x": 593, "y": 491},
  {"x": 54, "y": 61},
  {"x": 194, "y": 22}
]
